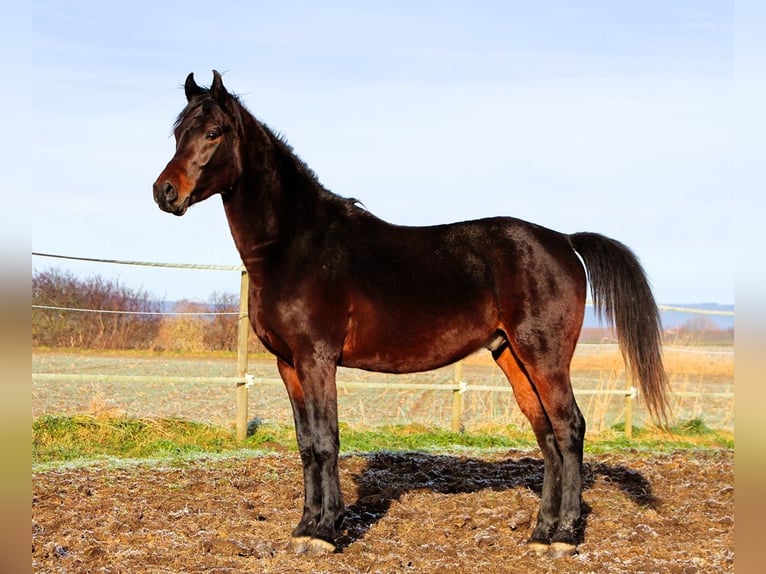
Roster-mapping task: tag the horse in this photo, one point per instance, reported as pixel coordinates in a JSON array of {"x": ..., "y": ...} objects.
[{"x": 333, "y": 285}]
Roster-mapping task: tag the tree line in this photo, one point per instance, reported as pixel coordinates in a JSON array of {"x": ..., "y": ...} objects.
[{"x": 73, "y": 317}]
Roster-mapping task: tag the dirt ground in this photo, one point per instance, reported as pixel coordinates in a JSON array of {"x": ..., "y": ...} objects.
[{"x": 406, "y": 512}]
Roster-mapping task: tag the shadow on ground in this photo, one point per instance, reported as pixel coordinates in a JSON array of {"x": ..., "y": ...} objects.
[{"x": 388, "y": 476}]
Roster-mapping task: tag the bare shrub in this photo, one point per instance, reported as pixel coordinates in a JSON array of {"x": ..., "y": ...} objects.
[
  {"x": 221, "y": 330},
  {"x": 82, "y": 320},
  {"x": 182, "y": 332},
  {"x": 699, "y": 330}
]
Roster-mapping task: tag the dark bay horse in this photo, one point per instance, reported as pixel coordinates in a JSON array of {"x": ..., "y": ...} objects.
[{"x": 331, "y": 284}]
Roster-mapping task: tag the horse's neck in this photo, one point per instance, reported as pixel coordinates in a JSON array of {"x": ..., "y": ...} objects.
[
  {"x": 265, "y": 210},
  {"x": 253, "y": 224}
]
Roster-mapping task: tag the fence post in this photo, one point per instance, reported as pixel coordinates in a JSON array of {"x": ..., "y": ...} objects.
[
  {"x": 629, "y": 408},
  {"x": 457, "y": 398},
  {"x": 243, "y": 328}
]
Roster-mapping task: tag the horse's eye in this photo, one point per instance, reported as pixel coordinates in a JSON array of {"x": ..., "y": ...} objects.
[{"x": 212, "y": 135}]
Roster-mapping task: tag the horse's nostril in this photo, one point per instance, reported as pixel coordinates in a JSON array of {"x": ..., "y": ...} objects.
[
  {"x": 170, "y": 191},
  {"x": 164, "y": 191}
]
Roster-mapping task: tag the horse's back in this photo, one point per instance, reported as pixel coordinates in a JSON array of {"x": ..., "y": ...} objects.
[{"x": 467, "y": 259}]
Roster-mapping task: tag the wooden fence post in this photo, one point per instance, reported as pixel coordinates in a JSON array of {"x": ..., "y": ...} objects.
[
  {"x": 629, "y": 408},
  {"x": 457, "y": 398},
  {"x": 243, "y": 328}
]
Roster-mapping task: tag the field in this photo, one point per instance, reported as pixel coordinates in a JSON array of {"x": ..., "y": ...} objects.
[
  {"x": 407, "y": 512},
  {"x": 648, "y": 510},
  {"x": 694, "y": 373}
]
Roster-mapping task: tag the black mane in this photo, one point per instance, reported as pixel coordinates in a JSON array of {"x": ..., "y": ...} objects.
[{"x": 289, "y": 158}]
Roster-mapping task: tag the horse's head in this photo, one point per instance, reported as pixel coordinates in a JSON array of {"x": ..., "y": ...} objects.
[{"x": 207, "y": 157}]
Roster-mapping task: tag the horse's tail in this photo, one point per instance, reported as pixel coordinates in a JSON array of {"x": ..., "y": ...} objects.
[{"x": 622, "y": 295}]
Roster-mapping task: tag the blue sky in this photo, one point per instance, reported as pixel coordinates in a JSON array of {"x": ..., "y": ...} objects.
[{"x": 609, "y": 116}]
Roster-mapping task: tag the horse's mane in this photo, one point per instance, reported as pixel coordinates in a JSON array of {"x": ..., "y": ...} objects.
[
  {"x": 287, "y": 153},
  {"x": 284, "y": 150}
]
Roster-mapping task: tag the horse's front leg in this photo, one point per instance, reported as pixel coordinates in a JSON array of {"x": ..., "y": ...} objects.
[
  {"x": 312, "y": 505},
  {"x": 311, "y": 386}
]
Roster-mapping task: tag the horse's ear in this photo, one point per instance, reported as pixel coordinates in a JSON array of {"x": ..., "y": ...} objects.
[
  {"x": 191, "y": 88},
  {"x": 217, "y": 90}
]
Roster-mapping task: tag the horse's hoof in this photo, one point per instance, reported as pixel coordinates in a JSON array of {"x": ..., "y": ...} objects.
[
  {"x": 562, "y": 549},
  {"x": 540, "y": 548},
  {"x": 317, "y": 547},
  {"x": 299, "y": 544}
]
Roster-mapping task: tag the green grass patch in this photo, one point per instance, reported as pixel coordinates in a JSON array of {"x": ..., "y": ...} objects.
[
  {"x": 61, "y": 438},
  {"x": 687, "y": 434},
  {"x": 67, "y": 438},
  {"x": 418, "y": 437}
]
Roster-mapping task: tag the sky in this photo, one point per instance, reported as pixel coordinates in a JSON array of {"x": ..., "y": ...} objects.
[{"x": 608, "y": 116}]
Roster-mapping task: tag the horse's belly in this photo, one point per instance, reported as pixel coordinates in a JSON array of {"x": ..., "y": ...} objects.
[{"x": 405, "y": 349}]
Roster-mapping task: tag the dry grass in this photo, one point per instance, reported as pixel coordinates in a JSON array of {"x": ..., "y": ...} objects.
[
  {"x": 685, "y": 360},
  {"x": 682, "y": 360},
  {"x": 694, "y": 372}
]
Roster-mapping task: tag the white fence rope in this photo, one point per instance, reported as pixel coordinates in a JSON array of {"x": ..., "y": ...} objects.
[
  {"x": 116, "y": 312},
  {"x": 146, "y": 263},
  {"x": 722, "y": 313}
]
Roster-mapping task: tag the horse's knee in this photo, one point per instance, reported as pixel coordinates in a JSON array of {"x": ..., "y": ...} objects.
[
  {"x": 325, "y": 449},
  {"x": 307, "y": 455}
]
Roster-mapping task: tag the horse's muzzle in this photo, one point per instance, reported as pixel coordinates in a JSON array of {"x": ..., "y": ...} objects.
[{"x": 166, "y": 197}]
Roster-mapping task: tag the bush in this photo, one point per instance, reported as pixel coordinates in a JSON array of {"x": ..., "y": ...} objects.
[
  {"x": 221, "y": 330},
  {"x": 80, "y": 324},
  {"x": 182, "y": 332}
]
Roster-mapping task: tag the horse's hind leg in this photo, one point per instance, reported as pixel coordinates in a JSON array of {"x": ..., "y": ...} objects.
[
  {"x": 545, "y": 397},
  {"x": 529, "y": 403},
  {"x": 568, "y": 424}
]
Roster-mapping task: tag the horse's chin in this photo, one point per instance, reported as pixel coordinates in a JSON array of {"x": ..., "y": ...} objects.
[{"x": 181, "y": 209}]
